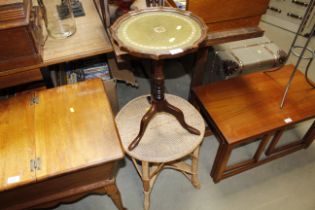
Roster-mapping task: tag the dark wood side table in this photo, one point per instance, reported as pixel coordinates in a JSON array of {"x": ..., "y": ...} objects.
[
  {"x": 159, "y": 33},
  {"x": 242, "y": 110},
  {"x": 58, "y": 145}
]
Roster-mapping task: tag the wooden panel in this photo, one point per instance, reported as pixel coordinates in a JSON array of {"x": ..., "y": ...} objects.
[
  {"x": 83, "y": 126},
  {"x": 14, "y": 13},
  {"x": 56, "y": 189},
  {"x": 217, "y": 11},
  {"x": 16, "y": 141},
  {"x": 229, "y": 13},
  {"x": 90, "y": 39},
  {"x": 249, "y": 105},
  {"x": 20, "y": 78},
  {"x": 249, "y": 22},
  {"x": 21, "y": 46}
]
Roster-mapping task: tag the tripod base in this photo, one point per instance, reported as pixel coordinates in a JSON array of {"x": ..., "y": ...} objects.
[{"x": 161, "y": 106}]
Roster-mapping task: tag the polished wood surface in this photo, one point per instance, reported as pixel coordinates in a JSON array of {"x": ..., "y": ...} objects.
[
  {"x": 16, "y": 141},
  {"x": 71, "y": 108},
  {"x": 240, "y": 105},
  {"x": 20, "y": 35},
  {"x": 71, "y": 135},
  {"x": 20, "y": 78},
  {"x": 228, "y": 14},
  {"x": 90, "y": 39},
  {"x": 246, "y": 109}
]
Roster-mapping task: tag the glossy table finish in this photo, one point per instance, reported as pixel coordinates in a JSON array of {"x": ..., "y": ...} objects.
[{"x": 57, "y": 145}]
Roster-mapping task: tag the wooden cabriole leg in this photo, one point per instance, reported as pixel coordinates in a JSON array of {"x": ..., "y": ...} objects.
[
  {"x": 160, "y": 104},
  {"x": 143, "y": 125},
  {"x": 114, "y": 194}
]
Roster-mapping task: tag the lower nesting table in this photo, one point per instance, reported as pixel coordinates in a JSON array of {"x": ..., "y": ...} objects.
[
  {"x": 246, "y": 109},
  {"x": 165, "y": 143}
]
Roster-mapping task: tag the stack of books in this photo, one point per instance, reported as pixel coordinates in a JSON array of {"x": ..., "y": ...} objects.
[{"x": 97, "y": 71}]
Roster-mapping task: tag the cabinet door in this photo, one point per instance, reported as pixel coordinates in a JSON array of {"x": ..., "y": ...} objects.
[
  {"x": 216, "y": 11},
  {"x": 17, "y": 144},
  {"x": 74, "y": 129}
]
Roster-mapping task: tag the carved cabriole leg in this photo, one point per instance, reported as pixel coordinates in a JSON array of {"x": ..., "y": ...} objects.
[
  {"x": 143, "y": 125},
  {"x": 194, "y": 168},
  {"x": 114, "y": 194},
  {"x": 179, "y": 115},
  {"x": 146, "y": 184},
  {"x": 159, "y": 104}
]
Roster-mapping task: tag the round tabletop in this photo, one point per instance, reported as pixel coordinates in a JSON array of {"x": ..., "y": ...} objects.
[
  {"x": 159, "y": 32},
  {"x": 165, "y": 139}
]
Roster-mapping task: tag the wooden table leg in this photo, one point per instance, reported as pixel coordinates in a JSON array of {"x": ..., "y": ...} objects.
[
  {"x": 199, "y": 67},
  {"x": 194, "y": 168},
  {"x": 159, "y": 104},
  {"x": 216, "y": 160},
  {"x": 309, "y": 136},
  {"x": 222, "y": 162},
  {"x": 114, "y": 194},
  {"x": 47, "y": 78}
]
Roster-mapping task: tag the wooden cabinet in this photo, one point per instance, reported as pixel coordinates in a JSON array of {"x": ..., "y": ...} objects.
[
  {"x": 20, "y": 34},
  {"x": 229, "y": 14},
  {"x": 56, "y": 144}
]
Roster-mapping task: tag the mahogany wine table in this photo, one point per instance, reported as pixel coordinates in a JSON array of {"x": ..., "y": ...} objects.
[
  {"x": 247, "y": 108},
  {"x": 57, "y": 145},
  {"x": 159, "y": 33}
]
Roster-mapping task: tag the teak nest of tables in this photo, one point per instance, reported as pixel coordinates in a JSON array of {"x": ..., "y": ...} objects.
[{"x": 245, "y": 109}]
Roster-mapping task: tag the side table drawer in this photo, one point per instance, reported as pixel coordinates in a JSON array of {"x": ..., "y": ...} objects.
[{"x": 20, "y": 78}]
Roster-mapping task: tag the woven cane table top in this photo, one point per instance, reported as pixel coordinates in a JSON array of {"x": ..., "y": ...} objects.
[{"x": 164, "y": 140}]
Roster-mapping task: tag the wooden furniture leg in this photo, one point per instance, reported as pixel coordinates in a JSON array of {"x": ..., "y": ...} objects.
[
  {"x": 159, "y": 104},
  {"x": 309, "y": 136},
  {"x": 179, "y": 115},
  {"x": 222, "y": 162},
  {"x": 114, "y": 194},
  {"x": 146, "y": 184},
  {"x": 47, "y": 78},
  {"x": 150, "y": 171},
  {"x": 194, "y": 168},
  {"x": 143, "y": 125}
]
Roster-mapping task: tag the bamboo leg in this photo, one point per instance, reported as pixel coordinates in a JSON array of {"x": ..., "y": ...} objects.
[
  {"x": 146, "y": 184},
  {"x": 194, "y": 168}
]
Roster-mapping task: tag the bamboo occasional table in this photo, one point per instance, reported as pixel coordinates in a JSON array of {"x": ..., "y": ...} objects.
[
  {"x": 159, "y": 33},
  {"x": 165, "y": 144}
]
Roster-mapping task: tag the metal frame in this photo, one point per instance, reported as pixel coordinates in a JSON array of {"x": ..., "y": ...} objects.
[{"x": 301, "y": 56}]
